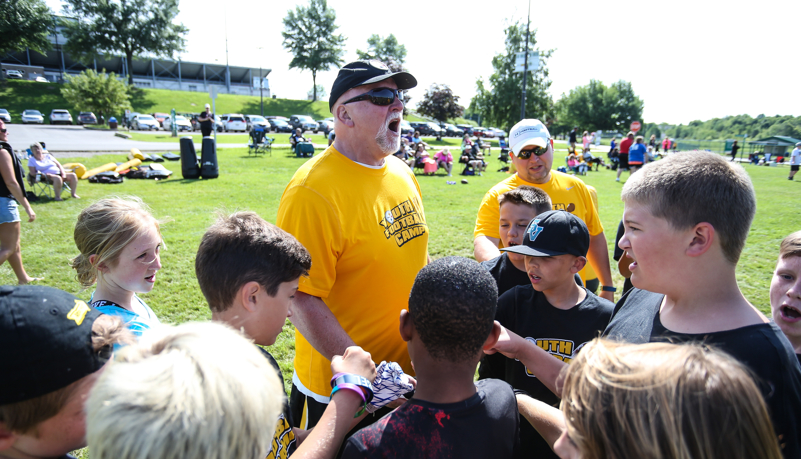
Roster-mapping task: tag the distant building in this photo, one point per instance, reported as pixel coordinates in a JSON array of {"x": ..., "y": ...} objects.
[{"x": 147, "y": 73}]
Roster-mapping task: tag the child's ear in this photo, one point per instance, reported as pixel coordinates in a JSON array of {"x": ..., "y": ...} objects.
[
  {"x": 248, "y": 296},
  {"x": 578, "y": 264},
  {"x": 7, "y": 437},
  {"x": 703, "y": 235},
  {"x": 493, "y": 336},
  {"x": 406, "y": 326}
]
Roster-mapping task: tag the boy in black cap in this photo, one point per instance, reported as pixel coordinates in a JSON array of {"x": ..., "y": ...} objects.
[
  {"x": 553, "y": 311},
  {"x": 54, "y": 348}
]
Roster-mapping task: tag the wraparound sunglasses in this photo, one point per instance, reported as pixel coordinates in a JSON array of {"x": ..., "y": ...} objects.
[{"x": 379, "y": 96}]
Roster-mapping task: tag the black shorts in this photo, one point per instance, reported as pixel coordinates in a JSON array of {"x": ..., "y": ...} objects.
[
  {"x": 623, "y": 161},
  {"x": 794, "y": 168}
]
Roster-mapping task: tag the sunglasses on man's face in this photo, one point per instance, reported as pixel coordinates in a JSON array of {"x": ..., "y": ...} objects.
[
  {"x": 4, "y": 130},
  {"x": 535, "y": 150},
  {"x": 379, "y": 96}
]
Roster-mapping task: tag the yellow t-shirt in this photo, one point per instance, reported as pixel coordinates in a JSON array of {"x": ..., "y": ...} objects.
[
  {"x": 367, "y": 235},
  {"x": 566, "y": 193}
]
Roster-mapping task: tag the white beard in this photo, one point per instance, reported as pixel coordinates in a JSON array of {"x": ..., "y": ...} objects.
[{"x": 385, "y": 143}]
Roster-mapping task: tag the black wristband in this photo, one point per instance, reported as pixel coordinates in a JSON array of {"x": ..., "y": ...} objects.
[{"x": 606, "y": 288}]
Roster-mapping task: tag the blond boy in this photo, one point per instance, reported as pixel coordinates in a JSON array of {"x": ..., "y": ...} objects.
[{"x": 785, "y": 290}]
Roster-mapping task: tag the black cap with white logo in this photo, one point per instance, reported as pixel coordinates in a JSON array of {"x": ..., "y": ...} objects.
[{"x": 552, "y": 233}]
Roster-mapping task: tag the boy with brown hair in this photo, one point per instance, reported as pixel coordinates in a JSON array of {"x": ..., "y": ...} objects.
[
  {"x": 785, "y": 291},
  {"x": 449, "y": 321},
  {"x": 55, "y": 348},
  {"x": 552, "y": 311},
  {"x": 248, "y": 270},
  {"x": 686, "y": 220},
  {"x": 517, "y": 208}
]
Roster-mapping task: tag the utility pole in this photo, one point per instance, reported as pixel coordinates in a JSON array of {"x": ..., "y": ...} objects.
[{"x": 525, "y": 68}]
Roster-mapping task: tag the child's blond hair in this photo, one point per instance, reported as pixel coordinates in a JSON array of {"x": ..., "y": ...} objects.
[
  {"x": 791, "y": 246},
  {"x": 689, "y": 188},
  {"x": 664, "y": 401},
  {"x": 104, "y": 229},
  {"x": 195, "y": 390}
]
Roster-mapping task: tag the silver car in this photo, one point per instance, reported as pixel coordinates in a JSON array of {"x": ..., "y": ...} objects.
[
  {"x": 4, "y": 115},
  {"x": 141, "y": 122},
  {"x": 32, "y": 116}
]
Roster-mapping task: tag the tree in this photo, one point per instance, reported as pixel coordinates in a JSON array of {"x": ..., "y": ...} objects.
[
  {"x": 25, "y": 24},
  {"x": 132, "y": 27},
  {"x": 101, "y": 93},
  {"x": 499, "y": 103},
  {"x": 309, "y": 35},
  {"x": 597, "y": 106},
  {"x": 386, "y": 50},
  {"x": 319, "y": 89},
  {"x": 440, "y": 104}
]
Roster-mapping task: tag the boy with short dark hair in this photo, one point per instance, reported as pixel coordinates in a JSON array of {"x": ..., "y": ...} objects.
[
  {"x": 55, "y": 348},
  {"x": 517, "y": 208},
  {"x": 248, "y": 270},
  {"x": 686, "y": 220},
  {"x": 552, "y": 311},
  {"x": 449, "y": 321}
]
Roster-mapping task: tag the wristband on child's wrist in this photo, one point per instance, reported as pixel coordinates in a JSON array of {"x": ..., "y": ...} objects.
[{"x": 354, "y": 383}]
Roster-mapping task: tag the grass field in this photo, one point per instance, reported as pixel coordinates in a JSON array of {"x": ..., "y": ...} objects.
[{"x": 256, "y": 183}]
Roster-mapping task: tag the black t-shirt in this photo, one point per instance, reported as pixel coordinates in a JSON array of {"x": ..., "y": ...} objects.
[
  {"x": 572, "y": 136},
  {"x": 283, "y": 443},
  {"x": 507, "y": 276},
  {"x": 560, "y": 332},
  {"x": 485, "y": 425},
  {"x": 208, "y": 123},
  {"x": 762, "y": 348},
  {"x": 18, "y": 173}
]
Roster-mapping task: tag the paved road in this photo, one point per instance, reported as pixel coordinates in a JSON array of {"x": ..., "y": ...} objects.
[{"x": 65, "y": 141}]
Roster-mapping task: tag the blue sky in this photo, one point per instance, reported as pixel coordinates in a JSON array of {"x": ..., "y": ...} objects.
[{"x": 686, "y": 59}]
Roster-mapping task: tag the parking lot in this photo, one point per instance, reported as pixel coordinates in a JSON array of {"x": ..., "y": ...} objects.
[{"x": 65, "y": 141}]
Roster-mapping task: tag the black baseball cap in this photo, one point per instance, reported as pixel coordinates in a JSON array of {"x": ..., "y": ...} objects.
[
  {"x": 556, "y": 232},
  {"x": 358, "y": 73},
  {"x": 46, "y": 337}
]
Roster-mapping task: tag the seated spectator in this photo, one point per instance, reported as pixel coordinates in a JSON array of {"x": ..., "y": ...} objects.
[
  {"x": 297, "y": 137},
  {"x": 473, "y": 158},
  {"x": 423, "y": 160},
  {"x": 444, "y": 160},
  {"x": 449, "y": 321},
  {"x": 60, "y": 345},
  {"x": 467, "y": 144},
  {"x": 662, "y": 400},
  {"x": 42, "y": 162},
  {"x": 503, "y": 156},
  {"x": 416, "y": 138},
  {"x": 405, "y": 153},
  {"x": 572, "y": 163}
]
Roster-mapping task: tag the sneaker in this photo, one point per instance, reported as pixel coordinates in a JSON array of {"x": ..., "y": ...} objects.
[{"x": 617, "y": 179}]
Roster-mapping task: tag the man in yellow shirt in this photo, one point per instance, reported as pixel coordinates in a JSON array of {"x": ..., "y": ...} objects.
[
  {"x": 359, "y": 212},
  {"x": 532, "y": 155}
]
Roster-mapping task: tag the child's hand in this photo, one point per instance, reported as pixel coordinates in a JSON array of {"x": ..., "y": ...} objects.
[
  {"x": 355, "y": 361},
  {"x": 390, "y": 385},
  {"x": 508, "y": 344}
]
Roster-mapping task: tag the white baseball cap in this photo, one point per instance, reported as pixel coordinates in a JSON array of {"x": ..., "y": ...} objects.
[{"x": 528, "y": 132}]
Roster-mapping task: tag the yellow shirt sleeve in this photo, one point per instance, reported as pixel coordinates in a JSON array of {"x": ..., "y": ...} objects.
[
  {"x": 489, "y": 215},
  {"x": 309, "y": 217}
]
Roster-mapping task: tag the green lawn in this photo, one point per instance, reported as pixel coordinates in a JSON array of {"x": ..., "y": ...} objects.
[{"x": 256, "y": 183}]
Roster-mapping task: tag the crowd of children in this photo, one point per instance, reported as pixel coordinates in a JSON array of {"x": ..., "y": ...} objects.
[{"x": 686, "y": 367}]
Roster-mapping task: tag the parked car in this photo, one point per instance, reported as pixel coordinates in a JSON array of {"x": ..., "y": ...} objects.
[
  {"x": 141, "y": 122},
  {"x": 466, "y": 129},
  {"x": 4, "y": 115},
  {"x": 60, "y": 116},
  {"x": 87, "y": 118},
  {"x": 181, "y": 123},
  {"x": 415, "y": 125},
  {"x": 14, "y": 74},
  {"x": 41, "y": 79},
  {"x": 279, "y": 125},
  {"x": 479, "y": 132},
  {"x": 453, "y": 131},
  {"x": 304, "y": 122},
  {"x": 234, "y": 122},
  {"x": 325, "y": 126},
  {"x": 32, "y": 116},
  {"x": 128, "y": 119},
  {"x": 257, "y": 119},
  {"x": 406, "y": 128},
  {"x": 160, "y": 117},
  {"x": 428, "y": 128},
  {"x": 498, "y": 132}
]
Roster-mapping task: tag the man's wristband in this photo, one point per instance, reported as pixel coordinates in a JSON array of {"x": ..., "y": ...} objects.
[
  {"x": 607, "y": 288},
  {"x": 356, "y": 381}
]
